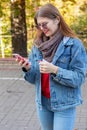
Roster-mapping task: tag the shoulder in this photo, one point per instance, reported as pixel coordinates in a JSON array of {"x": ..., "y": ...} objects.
[
  {"x": 34, "y": 49},
  {"x": 78, "y": 48},
  {"x": 78, "y": 45},
  {"x": 75, "y": 42}
]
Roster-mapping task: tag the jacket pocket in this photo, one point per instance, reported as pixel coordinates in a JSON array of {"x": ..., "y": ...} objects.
[{"x": 64, "y": 61}]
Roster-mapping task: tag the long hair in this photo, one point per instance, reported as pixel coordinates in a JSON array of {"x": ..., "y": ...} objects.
[{"x": 51, "y": 12}]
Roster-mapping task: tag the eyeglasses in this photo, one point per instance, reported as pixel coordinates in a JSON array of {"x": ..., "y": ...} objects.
[{"x": 42, "y": 25}]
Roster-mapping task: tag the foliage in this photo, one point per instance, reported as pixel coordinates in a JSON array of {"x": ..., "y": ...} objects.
[
  {"x": 82, "y": 29},
  {"x": 80, "y": 21},
  {"x": 73, "y": 11}
]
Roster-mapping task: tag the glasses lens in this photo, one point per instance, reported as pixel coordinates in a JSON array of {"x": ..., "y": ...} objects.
[{"x": 43, "y": 25}]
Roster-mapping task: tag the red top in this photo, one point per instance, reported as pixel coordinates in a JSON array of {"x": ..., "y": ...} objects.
[{"x": 45, "y": 86}]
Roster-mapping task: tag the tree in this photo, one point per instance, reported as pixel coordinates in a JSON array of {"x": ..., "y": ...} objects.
[
  {"x": 18, "y": 27},
  {"x": 12, "y": 16}
]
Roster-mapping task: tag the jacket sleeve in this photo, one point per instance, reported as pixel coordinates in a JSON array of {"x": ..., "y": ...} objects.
[
  {"x": 30, "y": 74},
  {"x": 76, "y": 75}
]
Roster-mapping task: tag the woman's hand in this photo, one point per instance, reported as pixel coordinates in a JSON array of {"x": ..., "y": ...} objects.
[
  {"x": 46, "y": 67},
  {"x": 24, "y": 63}
]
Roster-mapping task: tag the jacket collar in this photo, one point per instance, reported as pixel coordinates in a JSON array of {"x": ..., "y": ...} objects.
[{"x": 67, "y": 41}]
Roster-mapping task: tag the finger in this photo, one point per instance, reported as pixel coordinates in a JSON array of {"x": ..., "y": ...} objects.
[
  {"x": 20, "y": 62},
  {"x": 43, "y": 70},
  {"x": 24, "y": 63},
  {"x": 42, "y": 62},
  {"x": 17, "y": 60}
]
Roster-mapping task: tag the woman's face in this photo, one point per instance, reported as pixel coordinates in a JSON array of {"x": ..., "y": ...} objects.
[{"x": 48, "y": 26}]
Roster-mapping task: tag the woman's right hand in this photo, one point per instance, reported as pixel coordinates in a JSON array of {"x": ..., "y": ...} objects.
[{"x": 24, "y": 63}]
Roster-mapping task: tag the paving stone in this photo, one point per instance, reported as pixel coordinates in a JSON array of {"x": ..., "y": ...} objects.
[{"x": 17, "y": 101}]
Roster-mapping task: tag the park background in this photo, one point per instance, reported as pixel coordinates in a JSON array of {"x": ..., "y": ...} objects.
[{"x": 17, "y": 29}]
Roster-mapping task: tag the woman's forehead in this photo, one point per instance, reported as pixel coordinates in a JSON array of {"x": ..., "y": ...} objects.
[{"x": 42, "y": 19}]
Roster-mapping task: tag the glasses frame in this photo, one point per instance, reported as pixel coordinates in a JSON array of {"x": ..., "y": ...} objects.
[{"x": 42, "y": 25}]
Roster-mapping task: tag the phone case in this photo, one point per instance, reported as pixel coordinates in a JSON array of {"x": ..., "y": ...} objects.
[{"x": 20, "y": 58}]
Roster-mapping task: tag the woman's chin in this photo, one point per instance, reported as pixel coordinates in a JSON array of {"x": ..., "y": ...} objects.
[{"x": 47, "y": 34}]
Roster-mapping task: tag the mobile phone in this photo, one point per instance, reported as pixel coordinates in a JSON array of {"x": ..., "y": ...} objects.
[{"x": 19, "y": 57}]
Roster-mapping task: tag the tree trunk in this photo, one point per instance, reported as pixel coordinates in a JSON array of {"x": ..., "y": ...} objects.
[{"x": 18, "y": 27}]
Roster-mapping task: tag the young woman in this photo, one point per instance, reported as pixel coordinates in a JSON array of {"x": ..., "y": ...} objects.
[{"x": 58, "y": 68}]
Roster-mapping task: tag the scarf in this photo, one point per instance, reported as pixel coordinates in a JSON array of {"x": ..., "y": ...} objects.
[{"x": 49, "y": 47}]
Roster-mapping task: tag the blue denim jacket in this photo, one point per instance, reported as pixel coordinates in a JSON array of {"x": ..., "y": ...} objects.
[{"x": 65, "y": 86}]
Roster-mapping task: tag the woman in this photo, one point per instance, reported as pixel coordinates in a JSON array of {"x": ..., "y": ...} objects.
[{"x": 58, "y": 68}]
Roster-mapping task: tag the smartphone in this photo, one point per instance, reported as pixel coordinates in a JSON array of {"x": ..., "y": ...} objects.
[{"x": 19, "y": 57}]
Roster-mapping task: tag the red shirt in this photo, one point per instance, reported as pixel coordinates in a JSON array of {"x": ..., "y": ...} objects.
[{"x": 45, "y": 86}]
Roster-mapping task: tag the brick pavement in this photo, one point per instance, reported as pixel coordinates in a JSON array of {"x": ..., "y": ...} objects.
[{"x": 17, "y": 104}]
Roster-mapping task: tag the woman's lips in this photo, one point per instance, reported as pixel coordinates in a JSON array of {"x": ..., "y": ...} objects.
[{"x": 45, "y": 31}]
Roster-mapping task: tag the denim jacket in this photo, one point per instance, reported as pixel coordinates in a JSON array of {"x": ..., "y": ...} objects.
[{"x": 65, "y": 86}]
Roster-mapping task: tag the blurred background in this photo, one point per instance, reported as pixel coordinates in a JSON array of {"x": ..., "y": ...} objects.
[{"x": 17, "y": 29}]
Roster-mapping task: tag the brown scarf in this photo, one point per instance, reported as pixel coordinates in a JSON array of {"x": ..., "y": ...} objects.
[{"x": 49, "y": 47}]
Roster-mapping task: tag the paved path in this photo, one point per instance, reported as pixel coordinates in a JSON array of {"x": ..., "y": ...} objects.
[{"x": 17, "y": 105}]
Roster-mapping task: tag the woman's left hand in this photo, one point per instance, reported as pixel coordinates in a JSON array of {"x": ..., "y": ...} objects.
[{"x": 46, "y": 67}]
